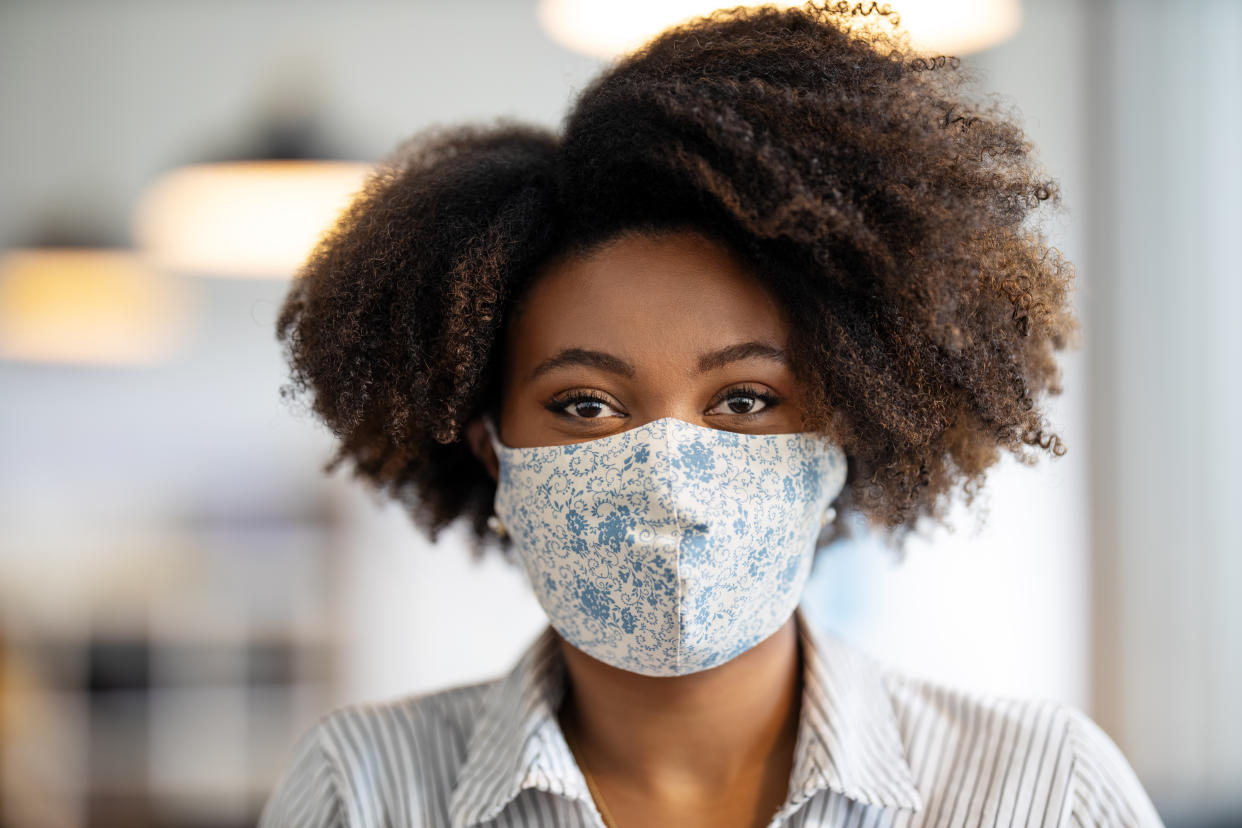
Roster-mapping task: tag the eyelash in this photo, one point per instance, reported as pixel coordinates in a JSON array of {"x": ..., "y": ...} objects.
[
  {"x": 561, "y": 405},
  {"x": 770, "y": 400}
]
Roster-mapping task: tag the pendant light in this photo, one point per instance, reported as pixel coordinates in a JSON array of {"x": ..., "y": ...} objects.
[{"x": 606, "y": 29}]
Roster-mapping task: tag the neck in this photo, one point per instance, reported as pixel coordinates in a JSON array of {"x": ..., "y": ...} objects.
[{"x": 689, "y": 733}]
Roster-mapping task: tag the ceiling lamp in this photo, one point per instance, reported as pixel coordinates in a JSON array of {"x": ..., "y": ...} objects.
[
  {"x": 94, "y": 306},
  {"x": 242, "y": 218},
  {"x": 605, "y": 29}
]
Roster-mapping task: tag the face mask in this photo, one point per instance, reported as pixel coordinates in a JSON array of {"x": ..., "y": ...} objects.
[{"x": 668, "y": 548}]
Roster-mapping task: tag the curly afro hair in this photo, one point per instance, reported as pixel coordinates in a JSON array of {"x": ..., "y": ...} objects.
[{"x": 890, "y": 215}]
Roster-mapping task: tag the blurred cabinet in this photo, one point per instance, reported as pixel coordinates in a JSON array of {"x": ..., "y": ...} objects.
[{"x": 176, "y": 705}]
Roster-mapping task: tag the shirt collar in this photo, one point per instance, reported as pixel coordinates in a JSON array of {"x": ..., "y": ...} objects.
[
  {"x": 848, "y": 740},
  {"x": 517, "y": 742}
]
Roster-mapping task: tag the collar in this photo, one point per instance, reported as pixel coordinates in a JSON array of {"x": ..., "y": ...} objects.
[{"x": 848, "y": 740}]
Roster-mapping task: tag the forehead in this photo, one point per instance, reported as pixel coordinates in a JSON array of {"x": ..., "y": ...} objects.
[{"x": 648, "y": 297}]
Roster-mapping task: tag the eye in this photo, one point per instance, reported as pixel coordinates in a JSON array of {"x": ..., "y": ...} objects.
[
  {"x": 583, "y": 405},
  {"x": 744, "y": 401}
]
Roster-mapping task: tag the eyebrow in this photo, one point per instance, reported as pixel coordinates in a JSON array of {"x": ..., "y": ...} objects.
[{"x": 709, "y": 361}]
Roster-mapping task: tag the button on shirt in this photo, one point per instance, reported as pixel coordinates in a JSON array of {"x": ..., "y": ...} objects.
[{"x": 875, "y": 748}]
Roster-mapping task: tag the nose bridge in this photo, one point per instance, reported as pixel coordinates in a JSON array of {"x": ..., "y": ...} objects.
[
  {"x": 669, "y": 445},
  {"x": 692, "y": 471},
  {"x": 685, "y": 410},
  {"x": 671, "y": 386}
]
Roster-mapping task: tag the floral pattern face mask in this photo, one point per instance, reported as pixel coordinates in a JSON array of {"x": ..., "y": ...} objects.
[{"x": 668, "y": 548}]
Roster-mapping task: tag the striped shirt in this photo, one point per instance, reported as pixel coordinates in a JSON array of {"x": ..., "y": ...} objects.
[{"x": 875, "y": 748}]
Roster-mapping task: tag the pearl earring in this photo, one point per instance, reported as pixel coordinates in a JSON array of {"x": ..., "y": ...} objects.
[
  {"x": 830, "y": 514},
  {"x": 496, "y": 525}
]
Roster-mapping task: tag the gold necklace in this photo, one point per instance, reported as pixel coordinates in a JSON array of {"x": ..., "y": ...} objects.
[{"x": 572, "y": 740}]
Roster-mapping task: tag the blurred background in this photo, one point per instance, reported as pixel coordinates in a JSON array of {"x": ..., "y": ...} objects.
[{"x": 183, "y": 591}]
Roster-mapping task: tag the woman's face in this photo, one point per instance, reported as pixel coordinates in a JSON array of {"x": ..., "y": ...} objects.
[{"x": 642, "y": 328}]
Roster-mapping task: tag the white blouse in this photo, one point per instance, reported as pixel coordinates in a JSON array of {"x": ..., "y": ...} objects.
[{"x": 875, "y": 748}]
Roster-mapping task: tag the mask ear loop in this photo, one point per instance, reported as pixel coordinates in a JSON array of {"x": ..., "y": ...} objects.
[
  {"x": 494, "y": 522},
  {"x": 491, "y": 431},
  {"x": 830, "y": 512}
]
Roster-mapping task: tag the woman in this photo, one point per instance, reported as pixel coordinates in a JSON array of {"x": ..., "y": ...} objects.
[{"x": 773, "y": 270}]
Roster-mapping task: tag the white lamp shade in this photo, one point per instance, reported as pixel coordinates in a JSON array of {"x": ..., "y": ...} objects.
[
  {"x": 606, "y": 29},
  {"x": 87, "y": 306},
  {"x": 248, "y": 218}
]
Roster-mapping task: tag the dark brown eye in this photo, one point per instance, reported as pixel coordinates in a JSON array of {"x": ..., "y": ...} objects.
[
  {"x": 588, "y": 408},
  {"x": 583, "y": 406},
  {"x": 743, "y": 405},
  {"x": 744, "y": 402}
]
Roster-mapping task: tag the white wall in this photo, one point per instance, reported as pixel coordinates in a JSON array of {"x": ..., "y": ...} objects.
[
  {"x": 99, "y": 97},
  {"x": 1166, "y": 174}
]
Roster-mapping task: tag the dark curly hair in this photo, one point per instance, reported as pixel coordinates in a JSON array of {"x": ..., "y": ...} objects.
[{"x": 889, "y": 214}]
